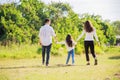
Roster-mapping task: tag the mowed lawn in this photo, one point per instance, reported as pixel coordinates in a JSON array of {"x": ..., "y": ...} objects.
[{"x": 31, "y": 69}]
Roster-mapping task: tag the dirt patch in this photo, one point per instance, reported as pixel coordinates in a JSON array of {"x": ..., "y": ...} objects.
[
  {"x": 107, "y": 78},
  {"x": 117, "y": 75}
]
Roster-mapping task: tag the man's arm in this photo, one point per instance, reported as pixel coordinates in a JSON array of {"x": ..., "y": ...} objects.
[
  {"x": 40, "y": 42},
  {"x": 54, "y": 35}
]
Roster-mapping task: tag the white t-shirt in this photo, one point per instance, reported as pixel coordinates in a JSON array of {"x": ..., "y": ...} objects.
[
  {"x": 68, "y": 48},
  {"x": 45, "y": 34},
  {"x": 89, "y": 35}
]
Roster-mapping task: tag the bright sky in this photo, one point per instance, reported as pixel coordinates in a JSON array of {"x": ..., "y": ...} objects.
[{"x": 108, "y": 9}]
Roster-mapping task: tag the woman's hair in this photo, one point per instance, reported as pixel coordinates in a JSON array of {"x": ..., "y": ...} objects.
[
  {"x": 88, "y": 26},
  {"x": 69, "y": 40}
]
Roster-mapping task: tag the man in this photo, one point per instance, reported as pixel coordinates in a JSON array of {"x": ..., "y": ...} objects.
[{"x": 45, "y": 36}]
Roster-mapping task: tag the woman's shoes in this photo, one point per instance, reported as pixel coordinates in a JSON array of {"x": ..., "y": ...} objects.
[
  {"x": 96, "y": 62},
  {"x": 88, "y": 64}
]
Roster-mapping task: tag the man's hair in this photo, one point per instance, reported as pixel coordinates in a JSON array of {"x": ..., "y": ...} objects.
[{"x": 46, "y": 20}]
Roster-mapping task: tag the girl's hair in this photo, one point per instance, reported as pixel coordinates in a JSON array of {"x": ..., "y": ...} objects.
[
  {"x": 69, "y": 40},
  {"x": 88, "y": 26}
]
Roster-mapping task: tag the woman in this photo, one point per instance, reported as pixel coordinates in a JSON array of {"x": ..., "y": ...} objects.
[{"x": 89, "y": 40}]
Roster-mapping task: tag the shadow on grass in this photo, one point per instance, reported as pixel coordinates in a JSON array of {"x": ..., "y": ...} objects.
[
  {"x": 39, "y": 66},
  {"x": 115, "y": 57},
  {"x": 20, "y": 67}
]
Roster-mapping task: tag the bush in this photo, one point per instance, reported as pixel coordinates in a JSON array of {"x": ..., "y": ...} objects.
[
  {"x": 79, "y": 49},
  {"x": 58, "y": 49},
  {"x": 98, "y": 50}
]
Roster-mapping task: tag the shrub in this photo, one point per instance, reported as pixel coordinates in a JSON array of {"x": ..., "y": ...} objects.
[
  {"x": 58, "y": 49},
  {"x": 79, "y": 49}
]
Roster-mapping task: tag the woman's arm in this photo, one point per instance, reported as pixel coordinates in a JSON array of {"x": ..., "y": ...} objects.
[
  {"x": 95, "y": 35},
  {"x": 83, "y": 32}
]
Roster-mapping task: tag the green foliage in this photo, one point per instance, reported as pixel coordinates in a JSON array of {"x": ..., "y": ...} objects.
[
  {"x": 79, "y": 49},
  {"x": 116, "y": 25},
  {"x": 19, "y": 24},
  {"x": 23, "y": 51},
  {"x": 112, "y": 50},
  {"x": 58, "y": 50}
]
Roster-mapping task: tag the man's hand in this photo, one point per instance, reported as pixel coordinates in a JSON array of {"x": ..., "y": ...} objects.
[{"x": 40, "y": 43}]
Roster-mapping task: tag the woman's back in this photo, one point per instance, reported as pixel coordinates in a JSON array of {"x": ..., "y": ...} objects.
[{"x": 89, "y": 36}]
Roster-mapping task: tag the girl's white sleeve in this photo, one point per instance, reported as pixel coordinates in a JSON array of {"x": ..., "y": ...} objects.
[
  {"x": 83, "y": 32},
  {"x": 62, "y": 42},
  {"x": 95, "y": 35}
]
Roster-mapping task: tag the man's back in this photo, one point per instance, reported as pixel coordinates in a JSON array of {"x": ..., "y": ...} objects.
[{"x": 46, "y": 33}]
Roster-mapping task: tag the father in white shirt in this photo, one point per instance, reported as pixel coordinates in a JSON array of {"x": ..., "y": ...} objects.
[{"x": 45, "y": 39}]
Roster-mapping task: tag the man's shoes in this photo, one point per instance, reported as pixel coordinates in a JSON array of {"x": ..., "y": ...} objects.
[{"x": 46, "y": 64}]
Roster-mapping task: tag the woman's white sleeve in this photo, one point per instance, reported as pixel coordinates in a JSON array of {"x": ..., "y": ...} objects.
[{"x": 95, "y": 35}]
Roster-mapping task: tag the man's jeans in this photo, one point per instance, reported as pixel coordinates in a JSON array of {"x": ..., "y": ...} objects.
[{"x": 46, "y": 49}]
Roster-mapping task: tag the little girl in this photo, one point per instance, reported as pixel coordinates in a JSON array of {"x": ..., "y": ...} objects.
[{"x": 70, "y": 44}]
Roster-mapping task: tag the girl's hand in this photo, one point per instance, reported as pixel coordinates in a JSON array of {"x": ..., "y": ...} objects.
[{"x": 75, "y": 43}]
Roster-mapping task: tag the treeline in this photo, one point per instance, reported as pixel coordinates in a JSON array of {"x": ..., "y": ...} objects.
[{"x": 20, "y": 23}]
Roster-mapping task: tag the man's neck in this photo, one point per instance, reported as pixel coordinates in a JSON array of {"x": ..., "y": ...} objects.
[{"x": 47, "y": 24}]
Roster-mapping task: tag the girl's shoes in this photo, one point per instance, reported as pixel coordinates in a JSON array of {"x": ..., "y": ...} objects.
[{"x": 96, "y": 63}]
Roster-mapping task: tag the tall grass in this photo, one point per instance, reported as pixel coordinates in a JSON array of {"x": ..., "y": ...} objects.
[
  {"x": 34, "y": 51},
  {"x": 19, "y": 51}
]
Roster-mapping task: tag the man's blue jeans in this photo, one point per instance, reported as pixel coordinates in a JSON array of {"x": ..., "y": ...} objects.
[
  {"x": 72, "y": 54},
  {"x": 46, "y": 49}
]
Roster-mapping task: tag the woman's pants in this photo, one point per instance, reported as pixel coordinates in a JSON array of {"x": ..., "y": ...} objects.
[{"x": 87, "y": 45}]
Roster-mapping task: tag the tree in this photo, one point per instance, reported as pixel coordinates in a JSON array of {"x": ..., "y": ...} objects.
[
  {"x": 21, "y": 23},
  {"x": 116, "y": 25}
]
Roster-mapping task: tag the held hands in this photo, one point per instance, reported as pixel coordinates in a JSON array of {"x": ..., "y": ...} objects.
[
  {"x": 98, "y": 43},
  {"x": 39, "y": 43},
  {"x": 55, "y": 39}
]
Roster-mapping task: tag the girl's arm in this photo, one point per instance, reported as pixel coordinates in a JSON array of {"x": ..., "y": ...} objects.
[
  {"x": 62, "y": 42},
  {"x": 74, "y": 42},
  {"x": 83, "y": 32}
]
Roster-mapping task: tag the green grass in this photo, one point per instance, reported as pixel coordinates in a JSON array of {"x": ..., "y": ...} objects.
[
  {"x": 31, "y": 69},
  {"x": 34, "y": 51},
  {"x": 18, "y": 52}
]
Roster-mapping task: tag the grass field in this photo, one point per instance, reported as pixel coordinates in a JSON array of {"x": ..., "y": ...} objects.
[{"x": 31, "y": 69}]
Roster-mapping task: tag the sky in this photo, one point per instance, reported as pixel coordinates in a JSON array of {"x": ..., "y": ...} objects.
[{"x": 108, "y": 9}]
